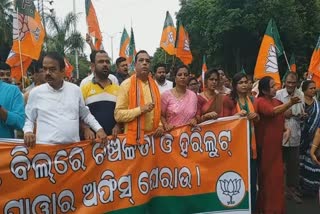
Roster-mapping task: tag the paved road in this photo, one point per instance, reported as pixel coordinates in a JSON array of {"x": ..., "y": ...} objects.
[{"x": 309, "y": 206}]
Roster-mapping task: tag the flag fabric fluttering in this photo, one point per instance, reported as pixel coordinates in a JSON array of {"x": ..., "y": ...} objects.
[
  {"x": 28, "y": 38},
  {"x": 15, "y": 63},
  {"x": 293, "y": 66},
  {"x": 168, "y": 36},
  {"x": 271, "y": 48},
  {"x": 132, "y": 52},
  {"x": 68, "y": 68},
  {"x": 314, "y": 67},
  {"x": 183, "y": 51},
  {"x": 93, "y": 24},
  {"x": 243, "y": 70},
  {"x": 124, "y": 44},
  {"x": 204, "y": 70}
]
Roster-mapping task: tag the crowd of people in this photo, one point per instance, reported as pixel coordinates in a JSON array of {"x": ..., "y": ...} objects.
[{"x": 284, "y": 124}]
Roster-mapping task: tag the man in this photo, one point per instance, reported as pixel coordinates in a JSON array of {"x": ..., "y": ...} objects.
[
  {"x": 222, "y": 89},
  {"x": 291, "y": 147},
  {"x": 122, "y": 69},
  {"x": 38, "y": 77},
  {"x": 160, "y": 77},
  {"x": 89, "y": 78},
  {"x": 138, "y": 103},
  {"x": 100, "y": 95},
  {"x": 12, "y": 114},
  {"x": 56, "y": 107}
]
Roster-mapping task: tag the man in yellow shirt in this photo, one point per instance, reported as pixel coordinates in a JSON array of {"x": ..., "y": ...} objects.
[{"x": 138, "y": 102}]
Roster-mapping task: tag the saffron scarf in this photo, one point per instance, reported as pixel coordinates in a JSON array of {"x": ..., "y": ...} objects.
[
  {"x": 252, "y": 134},
  {"x": 136, "y": 128}
]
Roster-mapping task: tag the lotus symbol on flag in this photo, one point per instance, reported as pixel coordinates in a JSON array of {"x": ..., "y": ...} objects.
[
  {"x": 230, "y": 188},
  {"x": 20, "y": 26},
  {"x": 272, "y": 63},
  {"x": 186, "y": 46}
]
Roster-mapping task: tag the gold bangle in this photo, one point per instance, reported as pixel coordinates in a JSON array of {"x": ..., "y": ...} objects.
[{"x": 315, "y": 146}]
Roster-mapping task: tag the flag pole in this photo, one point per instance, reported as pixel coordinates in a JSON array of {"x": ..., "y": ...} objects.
[
  {"x": 76, "y": 50},
  {"x": 20, "y": 55},
  {"x": 285, "y": 56}
]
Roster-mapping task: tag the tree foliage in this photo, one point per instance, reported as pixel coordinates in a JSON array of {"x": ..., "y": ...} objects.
[
  {"x": 6, "y": 10},
  {"x": 229, "y": 32}
]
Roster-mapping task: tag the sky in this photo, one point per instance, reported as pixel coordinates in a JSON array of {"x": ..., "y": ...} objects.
[{"x": 145, "y": 16}]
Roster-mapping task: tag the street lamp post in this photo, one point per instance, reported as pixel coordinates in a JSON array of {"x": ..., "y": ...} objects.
[{"x": 111, "y": 36}]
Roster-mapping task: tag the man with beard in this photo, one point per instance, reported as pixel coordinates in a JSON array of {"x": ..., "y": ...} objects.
[
  {"x": 100, "y": 96},
  {"x": 160, "y": 77},
  {"x": 122, "y": 69},
  {"x": 11, "y": 105},
  {"x": 138, "y": 103},
  {"x": 56, "y": 107}
]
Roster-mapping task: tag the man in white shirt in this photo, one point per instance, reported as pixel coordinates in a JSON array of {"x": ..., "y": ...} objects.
[
  {"x": 292, "y": 121},
  {"x": 55, "y": 108},
  {"x": 160, "y": 77}
]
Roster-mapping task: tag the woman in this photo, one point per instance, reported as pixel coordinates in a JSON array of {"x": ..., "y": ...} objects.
[
  {"x": 269, "y": 135},
  {"x": 179, "y": 105},
  {"x": 239, "y": 103},
  {"x": 209, "y": 101},
  {"x": 309, "y": 170},
  {"x": 193, "y": 85}
]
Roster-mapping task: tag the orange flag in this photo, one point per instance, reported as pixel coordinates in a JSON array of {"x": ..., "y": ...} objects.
[
  {"x": 183, "y": 51},
  {"x": 204, "y": 70},
  {"x": 124, "y": 44},
  {"x": 15, "y": 63},
  {"x": 93, "y": 24},
  {"x": 271, "y": 48},
  {"x": 27, "y": 30},
  {"x": 68, "y": 68},
  {"x": 314, "y": 67},
  {"x": 168, "y": 37}
]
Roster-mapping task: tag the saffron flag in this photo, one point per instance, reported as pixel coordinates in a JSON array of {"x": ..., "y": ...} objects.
[
  {"x": 93, "y": 24},
  {"x": 183, "y": 51},
  {"x": 28, "y": 32},
  {"x": 168, "y": 35},
  {"x": 15, "y": 63},
  {"x": 124, "y": 44},
  {"x": 68, "y": 68},
  {"x": 204, "y": 69},
  {"x": 314, "y": 67},
  {"x": 271, "y": 48},
  {"x": 132, "y": 52},
  {"x": 293, "y": 66}
]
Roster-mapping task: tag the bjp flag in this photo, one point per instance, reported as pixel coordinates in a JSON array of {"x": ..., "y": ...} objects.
[
  {"x": 68, "y": 68},
  {"x": 28, "y": 32},
  {"x": 271, "y": 48},
  {"x": 314, "y": 67},
  {"x": 124, "y": 44},
  {"x": 93, "y": 24},
  {"x": 168, "y": 35},
  {"x": 15, "y": 63},
  {"x": 132, "y": 52},
  {"x": 183, "y": 51},
  {"x": 293, "y": 66}
]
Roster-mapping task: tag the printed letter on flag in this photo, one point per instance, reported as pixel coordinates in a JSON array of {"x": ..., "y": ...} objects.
[{"x": 183, "y": 51}]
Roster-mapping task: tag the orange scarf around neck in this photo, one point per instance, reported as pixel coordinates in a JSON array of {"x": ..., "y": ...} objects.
[
  {"x": 253, "y": 136},
  {"x": 136, "y": 128}
]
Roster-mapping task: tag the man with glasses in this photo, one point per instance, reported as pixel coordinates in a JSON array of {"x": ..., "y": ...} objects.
[{"x": 11, "y": 105}]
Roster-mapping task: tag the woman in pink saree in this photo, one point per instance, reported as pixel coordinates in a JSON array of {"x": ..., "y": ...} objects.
[{"x": 179, "y": 105}]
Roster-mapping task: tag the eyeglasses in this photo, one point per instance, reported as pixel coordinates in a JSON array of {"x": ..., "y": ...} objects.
[{"x": 4, "y": 73}]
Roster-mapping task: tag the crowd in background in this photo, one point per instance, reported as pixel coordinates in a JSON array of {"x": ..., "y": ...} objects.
[{"x": 284, "y": 122}]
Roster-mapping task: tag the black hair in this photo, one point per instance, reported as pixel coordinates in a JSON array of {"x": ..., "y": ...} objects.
[
  {"x": 58, "y": 57},
  {"x": 159, "y": 65},
  {"x": 292, "y": 74},
  {"x": 119, "y": 60},
  {"x": 140, "y": 52},
  {"x": 178, "y": 68},
  {"x": 235, "y": 79},
  {"x": 94, "y": 54},
  {"x": 264, "y": 85},
  {"x": 305, "y": 84},
  {"x": 192, "y": 78},
  {"x": 208, "y": 74}
]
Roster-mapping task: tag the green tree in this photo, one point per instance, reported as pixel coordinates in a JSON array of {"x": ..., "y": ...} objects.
[
  {"x": 61, "y": 36},
  {"x": 6, "y": 11},
  {"x": 84, "y": 65},
  {"x": 229, "y": 32}
]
